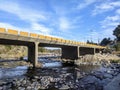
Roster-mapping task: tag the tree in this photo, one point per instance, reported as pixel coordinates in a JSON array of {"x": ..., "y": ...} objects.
[
  {"x": 116, "y": 32},
  {"x": 41, "y": 49},
  {"x": 105, "y": 41},
  {"x": 88, "y": 42}
]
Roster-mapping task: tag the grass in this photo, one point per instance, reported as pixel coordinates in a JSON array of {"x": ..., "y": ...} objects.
[{"x": 115, "y": 61}]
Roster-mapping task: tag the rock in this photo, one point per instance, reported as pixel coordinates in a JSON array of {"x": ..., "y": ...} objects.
[
  {"x": 1, "y": 88},
  {"x": 106, "y": 75},
  {"x": 105, "y": 81},
  {"x": 64, "y": 87},
  {"x": 116, "y": 73},
  {"x": 24, "y": 82},
  {"x": 28, "y": 88},
  {"x": 98, "y": 74},
  {"x": 21, "y": 88},
  {"x": 89, "y": 80},
  {"x": 90, "y": 87},
  {"x": 36, "y": 77}
]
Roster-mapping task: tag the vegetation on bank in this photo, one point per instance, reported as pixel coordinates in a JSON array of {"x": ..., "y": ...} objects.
[
  {"x": 115, "y": 61},
  {"x": 10, "y": 51}
]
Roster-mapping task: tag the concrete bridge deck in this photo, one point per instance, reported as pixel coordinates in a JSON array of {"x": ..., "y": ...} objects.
[{"x": 70, "y": 49}]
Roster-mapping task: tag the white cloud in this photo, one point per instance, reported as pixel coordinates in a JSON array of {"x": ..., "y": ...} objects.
[
  {"x": 64, "y": 23},
  {"x": 105, "y": 6},
  {"x": 118, "y": 11},
  {"x": 110, "y": 21},
  {"x": 108, "y": 32},
  {"x": 86, "y": 3},
  {"x": 22, "y": 12},
  {"x": 41, "y": 28},
  {"x": 9, "y": 26}
]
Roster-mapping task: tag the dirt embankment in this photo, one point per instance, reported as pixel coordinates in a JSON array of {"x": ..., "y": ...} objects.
[{"x": 97, "y": 59}]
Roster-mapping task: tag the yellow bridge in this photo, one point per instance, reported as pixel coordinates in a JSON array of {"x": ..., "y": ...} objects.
[{"x": 70, "y": 49}]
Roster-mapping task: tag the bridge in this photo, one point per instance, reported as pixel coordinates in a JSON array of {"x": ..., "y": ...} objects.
[{"x": 70, "y": 49}]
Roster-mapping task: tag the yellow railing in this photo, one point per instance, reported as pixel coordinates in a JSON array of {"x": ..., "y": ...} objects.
[
  {"x": 49, "y": 38},
  {"x": 10, "y": 31},
  {"x": 2, "y": 30},
  {"x": 24, "y": 33},
  {"x": 33, "y": 35},
  {"x": 41, "y": 36}
]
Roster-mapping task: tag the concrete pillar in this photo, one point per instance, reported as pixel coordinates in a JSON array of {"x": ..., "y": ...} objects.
[
  {"x": 97, "y": 50},
  {"x": 33, "y": 53},
  {"x": 70, "y": 52}
]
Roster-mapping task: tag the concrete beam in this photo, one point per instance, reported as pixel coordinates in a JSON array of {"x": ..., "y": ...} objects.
[
  {"x": 33, "y": 53},
  {"x": 69, "y": 52}
]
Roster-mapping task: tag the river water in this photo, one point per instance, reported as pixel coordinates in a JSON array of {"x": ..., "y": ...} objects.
[
  {"x": 49, "y": 68},
  {"x": 53, "y": 75}
]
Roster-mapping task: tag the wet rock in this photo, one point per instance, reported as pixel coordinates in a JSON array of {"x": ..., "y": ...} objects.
[
  {"x": 105, "y": 81},
  {"x": 21, "y": 88},
  {"x": 28, "y": 88},
  {"x": 1, "y": 88},
  {"x": 106, "y": 75},
  {"x": 90, "y": 87},
  {"x": 24, "y": 82},
  {"x": 99, "y": 75},
  {"x": 64, "y": 87},
  {"x": 116, "y": 73},
  {"x": 89, "y": 80},
  {"x": 36, "y": 77}
]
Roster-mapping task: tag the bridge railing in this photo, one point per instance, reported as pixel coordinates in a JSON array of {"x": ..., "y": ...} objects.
[{"x": 44, "y": 37}]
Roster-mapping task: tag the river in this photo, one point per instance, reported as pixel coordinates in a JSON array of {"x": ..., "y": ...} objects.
[{"x": 53, "y": 75}]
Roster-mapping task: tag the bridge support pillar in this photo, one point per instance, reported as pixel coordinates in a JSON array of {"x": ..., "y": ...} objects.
[
  {"x": 69, "y": 52},
  {"x": 97, "y": 50},
  {"x": 33, "y": 53}
]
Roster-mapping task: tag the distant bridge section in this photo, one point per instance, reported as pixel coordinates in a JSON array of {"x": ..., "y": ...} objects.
[{"x": 70, "y": 49}]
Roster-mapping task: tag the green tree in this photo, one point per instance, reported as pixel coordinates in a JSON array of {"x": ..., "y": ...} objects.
[
  {"x": 116, "y": 32},
  {"x": 41, "y": 49},
  {"x": 105, "y": 41},
  {"x": 91, "y": 42},
  {"x": 117, "y": 47}
]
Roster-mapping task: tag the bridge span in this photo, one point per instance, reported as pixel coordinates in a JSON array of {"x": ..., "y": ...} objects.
[{"x": 70, "y": 49}]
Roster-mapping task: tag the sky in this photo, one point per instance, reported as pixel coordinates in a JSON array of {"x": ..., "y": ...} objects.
[{"x": 78, "y": 20}]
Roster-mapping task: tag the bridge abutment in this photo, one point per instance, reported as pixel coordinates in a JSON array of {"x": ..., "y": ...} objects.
[{"x": 33, "y": 53}]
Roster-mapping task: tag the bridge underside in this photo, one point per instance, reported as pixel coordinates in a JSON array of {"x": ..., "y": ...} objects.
[{"x": 68, "y": 52}]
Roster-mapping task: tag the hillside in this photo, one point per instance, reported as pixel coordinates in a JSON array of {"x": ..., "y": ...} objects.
[{"x": 8, "y": 51}]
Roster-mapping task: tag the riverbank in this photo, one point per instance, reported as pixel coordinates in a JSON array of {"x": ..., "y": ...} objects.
[
  {"x": 97, "y": 59},
  {"x": 15, "y": 63}
]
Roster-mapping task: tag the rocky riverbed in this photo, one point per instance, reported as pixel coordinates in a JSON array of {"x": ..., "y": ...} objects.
[
  {"x": 87, "y": 75},
  {"x": 84, "y": 77}
]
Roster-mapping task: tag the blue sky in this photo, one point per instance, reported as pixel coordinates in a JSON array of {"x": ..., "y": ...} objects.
[{"x": 79, "y": 20}]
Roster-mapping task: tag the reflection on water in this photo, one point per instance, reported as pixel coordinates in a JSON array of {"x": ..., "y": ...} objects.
[
  {"x": 50, "y": 63},
  {"x": 12, "y": 72}
]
